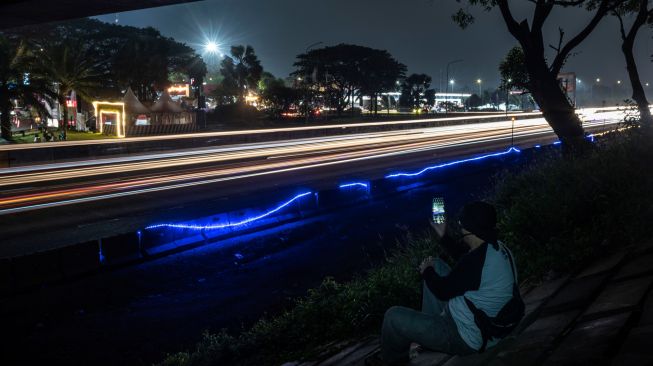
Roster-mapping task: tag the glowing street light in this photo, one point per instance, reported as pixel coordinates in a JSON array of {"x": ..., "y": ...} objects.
[
  {"x": 480, "y": 93},
  {"x": 211, "y": 47}
]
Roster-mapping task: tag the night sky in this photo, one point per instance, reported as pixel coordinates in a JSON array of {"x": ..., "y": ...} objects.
[{"x": 419, "y": 33}]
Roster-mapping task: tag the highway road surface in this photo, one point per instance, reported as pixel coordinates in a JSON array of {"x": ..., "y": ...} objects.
[{"x": 54, "y": 196}]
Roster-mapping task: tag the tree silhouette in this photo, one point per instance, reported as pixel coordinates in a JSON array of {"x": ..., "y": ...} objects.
[
  {"x": 543, "y": 83},
  {"x": 642, "y": 15},
  {"x": 344, "y": 71},
  {"x": 15, "y": 64},
  {"x": 72, "y": 69},
  {"x": 413, "y": 89},
  {"x": 241, "y": 71}
]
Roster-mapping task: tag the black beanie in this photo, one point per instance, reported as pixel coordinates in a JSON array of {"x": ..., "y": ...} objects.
[{"x": 480, "y": 219}]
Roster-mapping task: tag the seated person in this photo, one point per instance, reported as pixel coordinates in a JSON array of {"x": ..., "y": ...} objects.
[{"x": 480, "y": 289}]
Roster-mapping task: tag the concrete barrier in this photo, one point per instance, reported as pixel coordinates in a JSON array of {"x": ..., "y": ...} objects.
[
  {"x": 120, "y": 249},
  {"x": 36, "y": 269}
]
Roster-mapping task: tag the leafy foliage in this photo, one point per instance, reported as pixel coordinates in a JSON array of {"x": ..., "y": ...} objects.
[
  {"x": 16, "y": 82},
  {"x": 348, "y": 70},
  {"x": 241, "y": 71},
  {"x": 514, "y": 74},
  {"x": 413, "y": 89},
  {"x": 606, "y": 202},
  {"x": 279, "y": 97},
  {"x": 330, "y": 312}
]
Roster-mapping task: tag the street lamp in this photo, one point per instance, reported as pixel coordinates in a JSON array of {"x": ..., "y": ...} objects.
[
  {"x": 508, "y": 95},
  {"x": 449, "y": 64},
  {"x": 598, "y": 80},
  {"x": 480, "y": 93},
  {"x": 211, "y": 47}
]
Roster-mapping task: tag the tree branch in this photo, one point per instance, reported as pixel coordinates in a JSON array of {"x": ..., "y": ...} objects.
[
  {"x": 513, "y": 27},
  {"x": 605, "y": 7}
]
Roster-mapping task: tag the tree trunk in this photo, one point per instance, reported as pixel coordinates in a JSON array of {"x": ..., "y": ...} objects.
[
  {"x": 639, "y": 96},
  {"x": 556, "y": 108},
  {"x": 64, "y": 126},
  {"x": 5, "y": 122}
]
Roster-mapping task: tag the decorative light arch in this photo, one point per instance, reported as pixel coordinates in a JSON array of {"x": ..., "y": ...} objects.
[{"x": 116, "y": 108}]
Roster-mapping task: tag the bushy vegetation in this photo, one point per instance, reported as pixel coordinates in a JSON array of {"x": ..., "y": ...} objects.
[
  {"x": 559, "y": 212},
  {"x": 331, "y": 312},
  {"x": 555, "y": 214}
]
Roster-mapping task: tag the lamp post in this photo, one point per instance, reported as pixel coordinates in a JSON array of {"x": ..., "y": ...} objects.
[
  {"x": 598, "y": 80},
  {"x": 449, "y": 64},
  {"x": 508, "y": 96},
  {"x": 480, "y": 93}
]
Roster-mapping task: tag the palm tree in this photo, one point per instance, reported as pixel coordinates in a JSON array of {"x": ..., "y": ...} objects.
[
  {"x": 73, "y": 68},
  {"x": 15, "y": 65}
]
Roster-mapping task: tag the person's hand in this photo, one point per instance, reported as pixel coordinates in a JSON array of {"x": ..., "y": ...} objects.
[
  {"x": 426, "y": 263},
  {"x": 440, "y": 229}
]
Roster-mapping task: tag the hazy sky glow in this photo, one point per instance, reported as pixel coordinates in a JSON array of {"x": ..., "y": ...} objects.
[{"x": 418, "y": 33}]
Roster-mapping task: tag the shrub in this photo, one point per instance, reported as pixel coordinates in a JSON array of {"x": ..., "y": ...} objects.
[
  {"x": 333, "y": 311},
  {"x": 557, "y": 212}
]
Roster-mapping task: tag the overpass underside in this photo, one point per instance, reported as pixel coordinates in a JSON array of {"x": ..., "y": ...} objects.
[{"x": 18, "y": 13}]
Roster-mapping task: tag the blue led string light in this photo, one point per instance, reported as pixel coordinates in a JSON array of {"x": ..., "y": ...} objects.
[
  {"x": 510, "y": 150},
  {"x": 357, "y": 184},
  {"x": 223, "y": 226}
]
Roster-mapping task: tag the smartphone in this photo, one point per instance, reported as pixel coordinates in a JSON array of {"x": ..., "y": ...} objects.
[{"x": 438, "y": 210}]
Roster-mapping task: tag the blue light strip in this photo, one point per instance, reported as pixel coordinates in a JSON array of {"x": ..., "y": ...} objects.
[
  {"x": 557, "y": 142},
  {"x": 348, "y": 185},
  {"x": 512, "y": 149},
  {"x": 223, "y": 226}
]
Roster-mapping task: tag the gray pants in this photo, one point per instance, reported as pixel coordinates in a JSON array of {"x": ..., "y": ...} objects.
[{"x": 432, "y": 328}]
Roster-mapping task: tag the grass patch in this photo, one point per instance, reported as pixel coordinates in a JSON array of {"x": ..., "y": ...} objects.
[
  {"x": 554, "y": 214},
  {"x": 70, "y": 136}
]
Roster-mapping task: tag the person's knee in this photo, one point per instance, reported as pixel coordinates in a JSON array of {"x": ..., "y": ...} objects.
[{"x": 393, "y": 314}]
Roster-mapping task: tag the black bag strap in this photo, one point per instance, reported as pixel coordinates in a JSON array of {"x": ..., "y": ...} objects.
[{"x": 480, "y": 318}]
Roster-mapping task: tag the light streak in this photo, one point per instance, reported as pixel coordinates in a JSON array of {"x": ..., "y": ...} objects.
[
  {"x": 557, "y": 142},
  {"x": 223, "y": 226},
  {"x": 357, "y": 184},
  {"x": 482, "y": 157}
]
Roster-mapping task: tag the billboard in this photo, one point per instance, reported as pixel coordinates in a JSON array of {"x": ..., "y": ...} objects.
[
  {"x": 179, "y": 90},
  {"x": 567, "y": 81}
]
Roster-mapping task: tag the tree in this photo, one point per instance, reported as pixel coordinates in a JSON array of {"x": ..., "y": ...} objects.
[
  {"x": 343, "y": 71},
  {"x": 140, "y": 58},
  {"x": 17, "y": 82},
  {"x": 379, "y": 73},
  {"x": 643, "y": 14},
  {"x": 514, "y": 74},
  {"x": 474, "y": 101},
  {"x": 241, "y": 71},
  {"x": 279, "y": 97},
  {"x": 413, "y": 88},
  {"x": 72, "y": 69},
  {"x": 542, "y": 75}
]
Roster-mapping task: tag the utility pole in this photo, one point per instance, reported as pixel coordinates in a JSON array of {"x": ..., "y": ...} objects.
[{"x": 447, "y": 91}]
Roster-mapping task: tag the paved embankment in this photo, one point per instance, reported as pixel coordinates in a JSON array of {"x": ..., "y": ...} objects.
[
  {"x": 602, "y": 315},
  {"x": 52, "y": 152}
]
